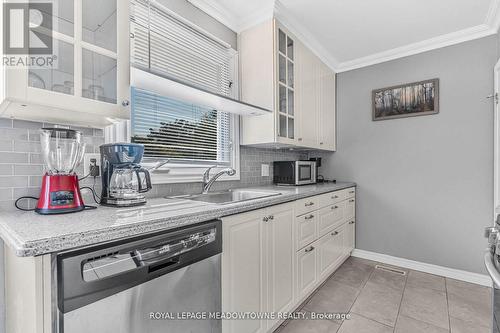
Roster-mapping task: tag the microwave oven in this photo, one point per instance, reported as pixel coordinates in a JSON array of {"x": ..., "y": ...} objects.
[{"x": 294, "y": 172}]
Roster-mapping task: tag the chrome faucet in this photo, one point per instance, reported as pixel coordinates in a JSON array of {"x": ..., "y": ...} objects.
[{"x": 207, "y": 182}]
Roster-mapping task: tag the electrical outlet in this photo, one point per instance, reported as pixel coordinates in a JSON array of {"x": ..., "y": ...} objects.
[
  {"x": 86, "y": 162},
  {"x": 264, "y": 170}
]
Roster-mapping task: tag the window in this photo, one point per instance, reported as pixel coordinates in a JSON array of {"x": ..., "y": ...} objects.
[{"x": 191, "y": 136}]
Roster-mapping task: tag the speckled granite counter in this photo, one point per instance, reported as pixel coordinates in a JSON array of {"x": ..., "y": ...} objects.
[{"x": 30, "y": 234}]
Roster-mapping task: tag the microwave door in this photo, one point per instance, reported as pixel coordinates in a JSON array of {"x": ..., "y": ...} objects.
[{"x": 304, "y": 174}]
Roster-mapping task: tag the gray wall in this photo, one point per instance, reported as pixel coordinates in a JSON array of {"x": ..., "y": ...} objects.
[{"x": 425, "y": 183}]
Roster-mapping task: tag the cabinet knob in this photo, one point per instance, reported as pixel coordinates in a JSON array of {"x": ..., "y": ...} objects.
[
  {"x": 309, "y": 217},
  {"x": 335, "y": 197},
  {"x": 300, "y": 139},
  {"x": 352, "y": 200},
  {"x": 352, "y": 222},
  {"x": 265, "y": 219},
  {"x": 321, "y": 143},
  {"x": 335, "y": 207},
  {"x": 351, "y": 192},
  {"x": 125, "y": 102},
  {"x": 309, "y": 249},
  {"x": 271, "y": 217},
  {"x": 335, "y": 233},
  {"x": 132, "y": 35},
  {"x": 307, "y": 204}
]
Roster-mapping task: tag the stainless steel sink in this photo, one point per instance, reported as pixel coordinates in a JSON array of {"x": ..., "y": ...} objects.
[{"x": 230, "y": 196}]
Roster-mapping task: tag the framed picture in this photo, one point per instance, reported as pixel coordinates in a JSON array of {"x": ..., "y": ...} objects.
[{"x": 407, "y": 100}]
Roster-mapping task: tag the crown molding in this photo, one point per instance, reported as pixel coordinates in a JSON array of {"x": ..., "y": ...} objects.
[
  {"x": 453, "y": 38},
  {"x": 303, "y": 34}
]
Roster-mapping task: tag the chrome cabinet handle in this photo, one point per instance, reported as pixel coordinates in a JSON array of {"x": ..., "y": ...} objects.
[
  {"x": 307, "y": 204},
  {"x": 334, "y": 207},
  {"x": 351, "y": 192},
  {"x": 335, "y": 197},
  {"x": 490, "y": 267},
  {"x": 335, "y": 233},
  {"x": 300, "y": 139},
  {"x": 352, "y": 222},
  {"x": 309, "y": 217},
  {"x": 125, "y": 102},
  {"x": 271, "y": 217},
  {"x": 309, "y": 249},
  {"x": 265, "y": 219},
  {"x": 321, "y": 143},
  {"x": 352, "y": 200}
]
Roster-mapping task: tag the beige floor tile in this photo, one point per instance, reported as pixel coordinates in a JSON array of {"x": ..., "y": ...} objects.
[
  {"x": 334, "y": 297},
  {"x": 354, "y": 272},
  {"x": 410, "y": 325},
  {"x": 424, "y": 280},
  {"x": 378, "y": 302},
  {"x": 461, "y": 326},
  {"x": 359, "y": 324},
  {"x": 309, "y": 326},
  {"x": 468, "y": 290},
  {"x": 355, "y": 260},
  {"x": 388, "y": 279},
  {"x": 426, "y": 305},
  {"x": 469, "y": 302}
]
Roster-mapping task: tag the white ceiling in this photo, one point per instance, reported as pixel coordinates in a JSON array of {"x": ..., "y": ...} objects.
[{"x": 349, "y": 34}]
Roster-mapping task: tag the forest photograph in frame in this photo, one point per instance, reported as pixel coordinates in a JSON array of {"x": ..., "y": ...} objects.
[{"x": 407, "y": 100}]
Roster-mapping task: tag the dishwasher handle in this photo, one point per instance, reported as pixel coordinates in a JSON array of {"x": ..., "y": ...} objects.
[{"x": 489, "y": 262}]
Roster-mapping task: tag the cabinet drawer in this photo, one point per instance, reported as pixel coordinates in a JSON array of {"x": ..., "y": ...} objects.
[
  {"x": 306, "y": 266},
  {"x": 332, "y": 198},
  {"x": 331, "y": 217},
  {"x": 306, "y": 205},
  {"x": 350, "y": 192},
  {"x": 330, "y": 249},
  {"x": 350, "y": 208},
  {"x": 306, "y": 226}
]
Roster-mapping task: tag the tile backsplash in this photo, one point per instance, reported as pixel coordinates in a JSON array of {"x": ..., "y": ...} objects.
[{"x": 21, "y": 164}]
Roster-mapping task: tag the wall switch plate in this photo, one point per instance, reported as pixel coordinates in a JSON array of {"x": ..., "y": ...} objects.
[
  {"x": 86, "y": 162},
  {"x": 264, "y": 170}
]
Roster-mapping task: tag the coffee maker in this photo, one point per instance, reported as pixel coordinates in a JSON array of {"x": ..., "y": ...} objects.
[{"x": 124, "y": 181}]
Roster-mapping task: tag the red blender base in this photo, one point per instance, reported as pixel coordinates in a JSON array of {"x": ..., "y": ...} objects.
[{"x": 60, "y": 194}]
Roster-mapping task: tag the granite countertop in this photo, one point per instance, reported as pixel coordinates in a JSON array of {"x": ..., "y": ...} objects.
[{"x": 30, "y": 234}]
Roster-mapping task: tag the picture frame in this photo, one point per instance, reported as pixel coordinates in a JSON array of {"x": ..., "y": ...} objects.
[{"x": 413, "y": 99}]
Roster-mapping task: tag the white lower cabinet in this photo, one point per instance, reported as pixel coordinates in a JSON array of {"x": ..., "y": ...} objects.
[
  {"x": 306, "y": 270},
  {"x": 274, "y": 258},
  {"x": 330, "y": 250},
  {"x": 257, "y": 266}
]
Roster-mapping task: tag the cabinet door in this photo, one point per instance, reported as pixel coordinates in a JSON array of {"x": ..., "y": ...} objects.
[
  {"x": 330, "y": 250},
  {"x": 306, "y": 229},
  {"x": 350, "y": 210},
  {"x": 307, "y": 91},
  {"x": 243, "y": 272},
  {"x": 306, "y": 268},
  {"x": 326, "y": 117},
  {"x": 331, "y": 217},
  {"x": 350, "y": 236},
  {"x": 280, "y": 254}
]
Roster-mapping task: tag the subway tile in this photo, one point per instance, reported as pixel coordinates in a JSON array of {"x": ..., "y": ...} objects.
[
  {"x": 5, "y": 194},
  {"x": 13, "y": 134},
  {"x": 27, "y": 124},
  {"x": 5, "y": 122},
  {"x": 6, "y": 145},
  {"x": 35, "y": 181},
  {"x": 26, "y": 192},
  {"x": 36, "y": 158},
  {"x": 6, "y": 169},
  {"x": 13, "y": 181},
  {"x": 98, "y": 132},
  {"x": 34, "y": 135},
  {"x": 28, "y": 169},
  {"x": 14, "y": 157},
  {"x": 27, "y": 146}
]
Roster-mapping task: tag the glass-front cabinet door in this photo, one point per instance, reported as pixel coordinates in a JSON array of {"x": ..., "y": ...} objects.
[
  {"x": 285, "y": 85},
  {"x": 90, "y": 72}
]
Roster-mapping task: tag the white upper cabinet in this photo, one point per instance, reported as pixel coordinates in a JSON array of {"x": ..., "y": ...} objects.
[
  {"x": 280, "y": 73},
  {"x": 89, "y": 82}
]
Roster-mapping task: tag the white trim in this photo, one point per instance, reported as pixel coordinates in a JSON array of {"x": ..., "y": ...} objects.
[
  {"x": 496, "y": 148},
  {"x": 457, "y": 274},
  {"x": 461, "y": 36},
  {"x": 490, "y": 26}
]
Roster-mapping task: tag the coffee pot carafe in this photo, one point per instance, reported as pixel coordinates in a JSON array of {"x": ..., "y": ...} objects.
[{"x": 124, "y": 180}]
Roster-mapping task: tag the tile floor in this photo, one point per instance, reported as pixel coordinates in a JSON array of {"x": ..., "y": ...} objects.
[{"x": 381, "y": 301}]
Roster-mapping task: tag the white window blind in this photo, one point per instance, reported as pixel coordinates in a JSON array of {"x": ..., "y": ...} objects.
[
  {"x": 176, "y": 130},
  {"x": 165, "y": 44},
  {"x": 168, "y": 45}
]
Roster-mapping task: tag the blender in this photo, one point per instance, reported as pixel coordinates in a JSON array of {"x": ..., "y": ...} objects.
[{"x": 62, "y": 152}]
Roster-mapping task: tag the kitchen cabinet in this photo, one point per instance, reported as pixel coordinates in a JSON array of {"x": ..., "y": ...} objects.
[
  {"x": 350, "y": 236},
  {"x": 331, "y": 248},
  {"x": 278, "y": 72},
  {"x": 89, "y": 82},
  {"x": 257, "y": 266},
  {"x": 306, "y": 271},
  {"x": 330, "y": 217}
]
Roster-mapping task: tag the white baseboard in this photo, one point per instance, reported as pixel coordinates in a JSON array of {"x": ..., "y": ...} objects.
[{"x": 452, "y": 273}]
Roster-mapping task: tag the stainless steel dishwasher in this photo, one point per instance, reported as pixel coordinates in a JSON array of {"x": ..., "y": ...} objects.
[{"x": 149, "y": 285}]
